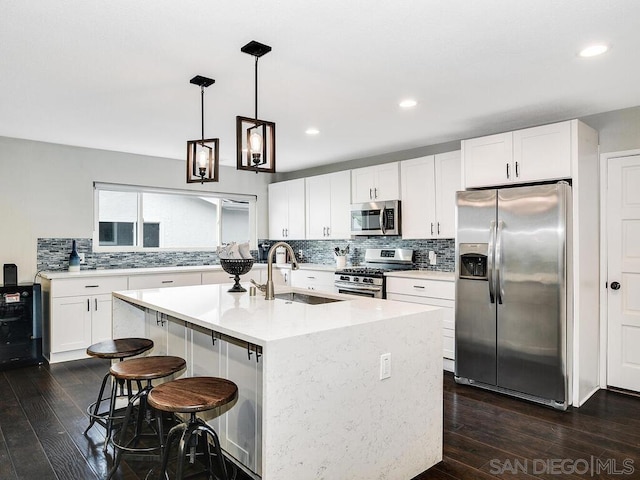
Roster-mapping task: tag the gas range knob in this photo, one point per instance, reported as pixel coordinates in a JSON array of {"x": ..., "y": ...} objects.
[
  {"x": 344, "y": 278},
  {"x": 356, "y": 279}
]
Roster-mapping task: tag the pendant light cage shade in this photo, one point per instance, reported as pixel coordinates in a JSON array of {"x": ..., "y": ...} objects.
[
  {"x": 203, "y": 160},
  {"x": 265, "y": 160},
  {"x": 255, "y": 138},
  {"x": 203, "y": 155}
]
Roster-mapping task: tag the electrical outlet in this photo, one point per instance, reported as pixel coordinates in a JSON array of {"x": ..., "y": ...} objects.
[
  {"x": 432, "y": 257},
  {"x": 385, "y": 366},
  {"x": 81, "y": 255}
]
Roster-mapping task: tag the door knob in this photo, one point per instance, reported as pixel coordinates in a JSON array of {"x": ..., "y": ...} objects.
[{"x": 615, "y": 286}]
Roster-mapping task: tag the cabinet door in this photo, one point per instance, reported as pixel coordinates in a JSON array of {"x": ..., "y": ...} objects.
[
  {"x": 448, "y": 181},
  {"x": 295, "y": 228},
  {"x": 340, "y": 224},
  {"x": 488, "y": 160},
  {"x": 70, "y": 323},
  {"x": 205, "y": 361},
  {"x": 278, "y": 210},
  {"x": 418, "y": 198},
  {"x": 362, "y": 184},
  {"x": 387, "y": 186},
  {"x": 101, "y": 323},
  {"x": 177, "y": 344},
  {"x": 242, "y": 425},
  {"x": 542, "y": 153},
  {"x": 318, "y": 206}
]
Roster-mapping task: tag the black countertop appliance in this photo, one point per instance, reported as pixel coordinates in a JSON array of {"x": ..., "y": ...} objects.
[
  {"x": 263, "y": 251},
  {"x": 20, "y": 325}
]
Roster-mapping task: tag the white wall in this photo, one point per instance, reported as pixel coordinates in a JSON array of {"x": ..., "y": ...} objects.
[{"x": 46, "y": 190}]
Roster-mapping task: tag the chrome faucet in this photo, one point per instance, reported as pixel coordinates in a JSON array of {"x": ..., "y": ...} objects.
[{"x": 269, "y": 292}]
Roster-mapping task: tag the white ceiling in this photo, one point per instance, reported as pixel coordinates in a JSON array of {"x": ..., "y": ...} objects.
[{"x": 115, "y": 74}]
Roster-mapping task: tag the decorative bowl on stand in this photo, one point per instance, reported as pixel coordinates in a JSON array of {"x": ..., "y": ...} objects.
[{"x": 237, "y": 267}]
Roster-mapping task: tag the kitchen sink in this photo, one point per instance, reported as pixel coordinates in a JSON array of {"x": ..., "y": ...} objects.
[{"x": 305, "y": 298}]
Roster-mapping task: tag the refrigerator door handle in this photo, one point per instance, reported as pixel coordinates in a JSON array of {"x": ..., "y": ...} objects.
[
  {"x": 499, "y": 262},
  {"x": 491, "y": 261}
]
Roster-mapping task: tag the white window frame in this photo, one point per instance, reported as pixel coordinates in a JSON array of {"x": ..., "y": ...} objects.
[{"x": 98, "y": 186}]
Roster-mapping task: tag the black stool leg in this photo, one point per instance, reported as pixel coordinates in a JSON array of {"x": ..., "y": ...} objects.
[
  {"x": 112, "y": 409},
  {"x": 172, "y": 437},
  {"x": 94, "y": 414}
]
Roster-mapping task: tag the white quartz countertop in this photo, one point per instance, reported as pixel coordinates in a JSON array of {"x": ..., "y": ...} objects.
[
  {"x": 423, "y": 274},
  {"x": 256, "y": 320},
  {"x": 108, "y": 272}
]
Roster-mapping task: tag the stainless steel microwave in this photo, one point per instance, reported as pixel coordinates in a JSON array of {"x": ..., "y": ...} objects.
[{"x": 375, "y": 218}]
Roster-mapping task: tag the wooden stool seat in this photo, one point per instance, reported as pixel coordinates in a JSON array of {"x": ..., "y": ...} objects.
[
  {"x": 120, "y": 348},
  {"x": 193, "y": 394},
  {"x": 147, "y": 368}
]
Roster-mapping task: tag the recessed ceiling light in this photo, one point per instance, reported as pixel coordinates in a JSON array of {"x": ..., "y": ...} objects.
[
  {"x": 593, "y": 50},
  {"x": 312, "y": 131},
  {"x": 408, "y": 103}
]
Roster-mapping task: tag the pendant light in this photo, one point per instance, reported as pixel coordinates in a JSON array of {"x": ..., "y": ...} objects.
[
  {"x": 255, "y": 138},
  {"x": 203, "y": 154}
]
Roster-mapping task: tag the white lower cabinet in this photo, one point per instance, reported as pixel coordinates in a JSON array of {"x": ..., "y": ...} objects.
[
  {"x": 77, "y": 314},
  {"x": 239, "y": 424},
  {"x": 437, "y": 293},
  {"x": 321, "y": 280}
]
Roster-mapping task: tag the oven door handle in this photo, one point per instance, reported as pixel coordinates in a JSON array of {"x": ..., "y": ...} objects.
[{"x": 351, "y": 286}]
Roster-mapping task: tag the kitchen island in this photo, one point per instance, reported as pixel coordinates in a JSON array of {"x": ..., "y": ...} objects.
[{"x": 311, "y": 403}]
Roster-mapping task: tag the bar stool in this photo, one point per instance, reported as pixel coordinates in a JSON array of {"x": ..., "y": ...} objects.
[
  {"x": 119, "y": 348},
  {"x": 139, "y": 370},
  {"x": 192, "y": 395}
]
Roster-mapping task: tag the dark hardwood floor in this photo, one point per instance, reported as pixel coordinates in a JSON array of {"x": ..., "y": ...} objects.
[{"x": 486, "y": 436}]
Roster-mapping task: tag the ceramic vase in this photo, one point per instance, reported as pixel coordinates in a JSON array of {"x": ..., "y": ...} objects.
[{"x": 74, "y": 258}]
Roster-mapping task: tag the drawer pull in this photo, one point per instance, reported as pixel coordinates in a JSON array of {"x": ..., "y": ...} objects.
[
  {"x": 418, "y": 286},
  {"x": 311, "y": 278},
  {"x": 91, "y": 286},
  {"x": 167, "y": 281}
]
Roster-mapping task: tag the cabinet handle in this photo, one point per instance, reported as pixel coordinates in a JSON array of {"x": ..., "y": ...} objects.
[
  {"x": 88, "y": 305},
  {"x": 91, "y": 286},
  {"x": 328, "y": 232},
  {"x": 438, "y": 228},
  {"x": 371, "y": 194},
  {"x": 167, "y": 281},
  {"x": 418, "y": 286},
  {"x": 375, "y": 193},
  {"x": 508, "y": 176},
  {"x": 96, "y": 304},
  {"x": 517, "y": 170},
  {"x": 431, "y": 228},
  {"x": 311, "y": 278}
]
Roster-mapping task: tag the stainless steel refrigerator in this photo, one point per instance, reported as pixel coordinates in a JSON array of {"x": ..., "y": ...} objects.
[{"x": 512, "y": 298}]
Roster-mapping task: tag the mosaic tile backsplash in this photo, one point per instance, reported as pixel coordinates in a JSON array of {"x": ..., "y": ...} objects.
[{"x": 53, "y": 253}]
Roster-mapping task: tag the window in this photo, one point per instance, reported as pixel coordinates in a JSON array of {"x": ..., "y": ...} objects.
[{"x": 139, "y": 218}]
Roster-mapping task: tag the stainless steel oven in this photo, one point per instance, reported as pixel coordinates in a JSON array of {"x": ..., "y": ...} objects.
[{"x": 368, "y": 280}]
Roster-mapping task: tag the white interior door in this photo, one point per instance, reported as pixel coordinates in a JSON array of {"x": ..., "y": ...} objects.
[{"x": 623, "y": 276}]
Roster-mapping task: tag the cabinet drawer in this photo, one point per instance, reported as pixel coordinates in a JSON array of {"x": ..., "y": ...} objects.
[
  {"x": 138, "y": 282},
  {"x": 421, "y": 288},
  {"x": 70, "y": 287}
]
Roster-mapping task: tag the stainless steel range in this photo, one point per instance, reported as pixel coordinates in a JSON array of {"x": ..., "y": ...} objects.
[{"x": 368, "y": 280}]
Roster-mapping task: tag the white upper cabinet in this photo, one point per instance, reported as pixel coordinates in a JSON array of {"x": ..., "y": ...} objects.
[
  {"x": 376, "y": 183},
  {"x": 286, "y": 210},
  {"x": 529, "y": 155},
  {"x": 429, "y": 185},
  {"x": 328, "y": 198}
]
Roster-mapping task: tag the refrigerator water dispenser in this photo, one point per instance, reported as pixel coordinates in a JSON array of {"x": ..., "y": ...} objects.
[{"x": 473, "y": 261}]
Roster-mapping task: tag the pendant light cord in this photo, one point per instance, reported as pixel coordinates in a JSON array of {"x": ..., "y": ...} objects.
[
  {"x": 202, "y": 111},
  {"x": 256, "y": 91}
]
